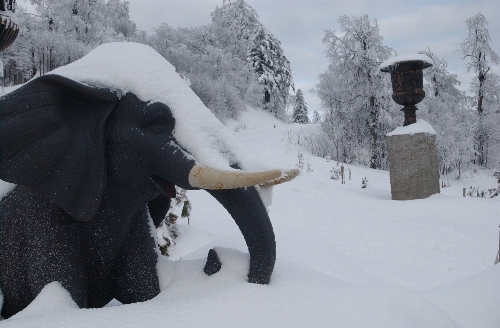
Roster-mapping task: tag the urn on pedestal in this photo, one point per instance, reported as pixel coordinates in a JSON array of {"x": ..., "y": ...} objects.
[
  {"x": 407, "y": 82},
  {"x": 9, "y": 29},
  {"x": 413, "y": 161}
]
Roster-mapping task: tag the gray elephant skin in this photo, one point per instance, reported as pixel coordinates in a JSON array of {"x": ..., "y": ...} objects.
[{"x": 88, "y": 166}]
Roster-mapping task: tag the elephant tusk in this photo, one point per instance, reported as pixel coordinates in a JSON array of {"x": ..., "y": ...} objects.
[
  {"x": 289, "y": 175},
  {"x": 206, "y": 178}
]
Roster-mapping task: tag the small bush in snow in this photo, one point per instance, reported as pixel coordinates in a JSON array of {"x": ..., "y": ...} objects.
[
  {"x": 301, "y": 161},
  {"x": 445, "y": 184},
  {"x": 335, "y": 174},
  {"x": 475, "y": 192},
  {"x": 241, "y": 126},
  {"x": 168, "y": 230},
  {"x": 495, "y": 191}
]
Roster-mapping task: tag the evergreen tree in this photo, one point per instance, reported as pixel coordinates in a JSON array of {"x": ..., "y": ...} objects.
[
  {"x": 477, "y": 50},
  {"x": 300, "y": 114},
  {"x": 268, "y": 60},
  {"x": 214, "y": 57}
]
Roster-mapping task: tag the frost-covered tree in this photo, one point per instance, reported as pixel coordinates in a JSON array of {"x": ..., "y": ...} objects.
[
  {"x": 118, "y": 18},
  {"x": 300, "y": 114},
  {"x": 223, "y": 81},
  {"x": 353, "y": 92},
  {"x": 316, "y": 117},
  {"x": 63, "y": 31},
  {"x": 235, "y": 23},
  {"x": 168, "y": 229},
  {"x": 268, "y": 60},
  {"x": 480, "y": 56},
  {"x": 214, "y": 58},
  {"x": 89, "y": 21},
  {"x": 446, "y": 109}
]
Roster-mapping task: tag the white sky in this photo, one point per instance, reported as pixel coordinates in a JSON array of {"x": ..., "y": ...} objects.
[{"x": 407, "y": 26}]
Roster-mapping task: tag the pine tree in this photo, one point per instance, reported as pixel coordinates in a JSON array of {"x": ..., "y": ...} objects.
[
  {"x": 300, "y": 114},
  {"x": 268, "y": 60},
  {"x": 476, "y": 48}
]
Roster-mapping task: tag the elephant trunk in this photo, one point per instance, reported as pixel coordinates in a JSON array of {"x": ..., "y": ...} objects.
[
  {"x": 249, "y": 213},
  {"x": 236, "y": 192}
]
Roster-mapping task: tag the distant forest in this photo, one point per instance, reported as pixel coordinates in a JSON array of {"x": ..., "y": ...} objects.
[{"x": 235, "y": 61}]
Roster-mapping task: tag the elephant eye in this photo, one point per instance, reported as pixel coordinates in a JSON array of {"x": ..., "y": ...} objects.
[
  {"x": 158, "y": 118},
  {"x": 159, "y": 121}
]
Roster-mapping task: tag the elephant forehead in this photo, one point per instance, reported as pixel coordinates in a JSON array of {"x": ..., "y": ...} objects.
[{"x": 126, "y": 67}]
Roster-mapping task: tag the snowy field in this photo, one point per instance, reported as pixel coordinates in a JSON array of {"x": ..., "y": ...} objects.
[{"x": 346, "y": 256}]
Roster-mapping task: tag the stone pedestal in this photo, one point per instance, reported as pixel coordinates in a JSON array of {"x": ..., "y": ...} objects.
[{"x": 414, "y": 166}]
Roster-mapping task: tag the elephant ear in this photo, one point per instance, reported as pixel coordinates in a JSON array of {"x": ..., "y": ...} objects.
[{"x": 52, "y": 140}]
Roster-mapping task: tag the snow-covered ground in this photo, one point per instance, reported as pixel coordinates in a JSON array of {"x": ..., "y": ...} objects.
[
  {"x": 346, "y": 256},
  {"x": 6, "y": 90}
]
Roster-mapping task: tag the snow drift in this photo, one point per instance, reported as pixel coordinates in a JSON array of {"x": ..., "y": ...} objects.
[{"x": 125, "y": 67}]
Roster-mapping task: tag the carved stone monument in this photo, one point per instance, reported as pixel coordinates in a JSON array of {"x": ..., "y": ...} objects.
[{"x": 413, "y": 162}]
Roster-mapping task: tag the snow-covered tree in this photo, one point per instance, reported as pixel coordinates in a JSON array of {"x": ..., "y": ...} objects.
[
  {"x": 223, "y": 81},
  {"x": 235, "y": 23},
  {"x": 477, "y": 51},
  {"x": 214, "y": 58},
  {"x": 316, "y": 117},
  {"x": 268, "y": 60},
  {"x": 300, "y": 114},
  {"x": 353, "y": 93},
  {"x": 63, "y": 31},
  {"x": 117, "y": 14},
  {"x": 89, "y": 21},
  {"x": 446, "y": 109},
  {"x": 168, "y": 230}
]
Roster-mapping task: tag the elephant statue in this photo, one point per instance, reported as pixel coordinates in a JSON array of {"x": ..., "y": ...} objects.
[{"x": 95, "y": 161}]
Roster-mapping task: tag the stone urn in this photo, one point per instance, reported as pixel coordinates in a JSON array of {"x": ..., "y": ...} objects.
[
  {"x": 407, "y": 82},
  {"x": 9, "y": 29}
]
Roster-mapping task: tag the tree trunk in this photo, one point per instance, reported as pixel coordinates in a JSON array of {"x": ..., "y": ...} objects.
[
  {"x": 267, "y": 99},
  {"x": 372, "y": 126},
  {"x": 480, "y": 127}
]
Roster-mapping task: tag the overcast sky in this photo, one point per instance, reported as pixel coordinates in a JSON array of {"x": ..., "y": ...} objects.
[{"x": 407, "y": 26}]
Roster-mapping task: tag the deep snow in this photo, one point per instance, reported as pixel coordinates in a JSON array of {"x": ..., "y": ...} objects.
[
  {"x": 125, "y": 67},
  {"x": 346, "y": 256},
  {"x": 420, "y": 126},
  {"x": 404, "y": 58}
]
